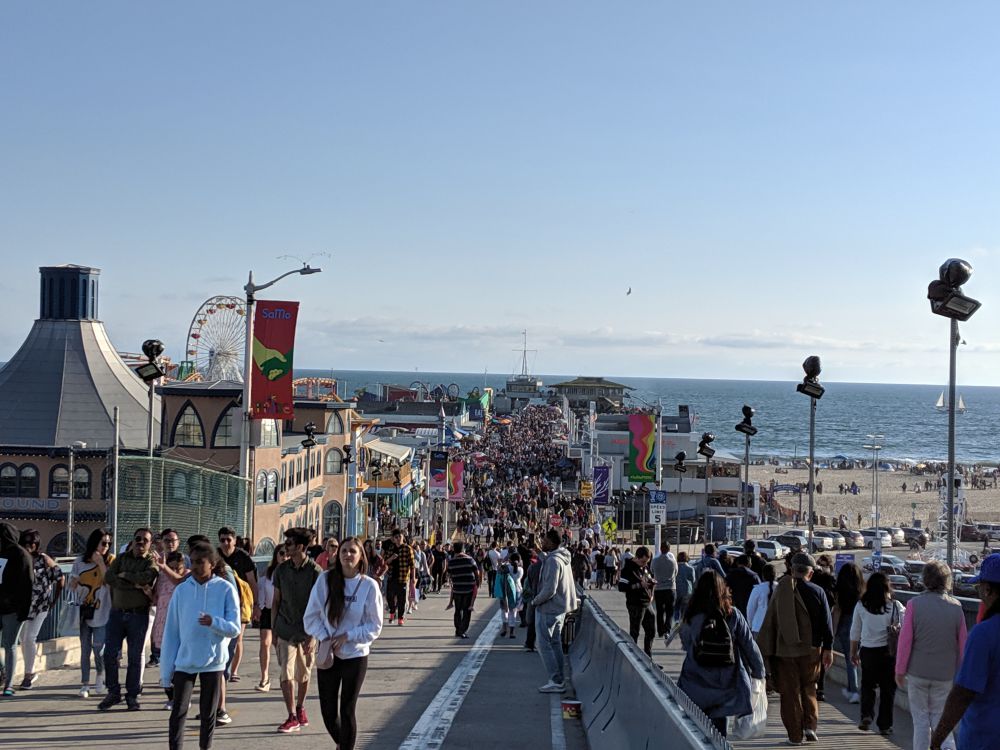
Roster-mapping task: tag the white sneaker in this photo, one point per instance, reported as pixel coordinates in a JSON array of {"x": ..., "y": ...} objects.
[
  {"x": 84, "y": 691},
  {"x": 855, "y": 698},
  {"x": 98, "y": 687},
  {"x": 168, "y": 706},
  {"x": 552, "y": 687},
  {"x": 846, "y": 693}
]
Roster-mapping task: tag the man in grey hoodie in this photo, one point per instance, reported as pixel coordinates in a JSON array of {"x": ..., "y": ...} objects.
[
  {"x": 555, "y": 598},
  {"x": 16, "y": 578}
]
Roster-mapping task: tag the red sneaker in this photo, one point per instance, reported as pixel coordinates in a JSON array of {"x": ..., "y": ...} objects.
[
  {"x": 300, "y": 714},
  {"x": 291, "y": 725},
  {"x": 401, "y": 620}
]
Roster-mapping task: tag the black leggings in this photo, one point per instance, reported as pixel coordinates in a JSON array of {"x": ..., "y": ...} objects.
[
  {"x": 338, "y": 711},
  {"x": 211, "y": 693}
]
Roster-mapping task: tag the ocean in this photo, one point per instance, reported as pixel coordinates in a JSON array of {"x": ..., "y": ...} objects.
[{"x": 914, "y": 430}]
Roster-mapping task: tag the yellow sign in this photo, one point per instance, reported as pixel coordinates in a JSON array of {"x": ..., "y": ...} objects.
[
  {"x": 586, "y": 489},
  {"x": 609, "y": 526}
]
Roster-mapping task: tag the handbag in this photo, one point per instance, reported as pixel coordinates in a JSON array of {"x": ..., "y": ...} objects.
[
  {"x": 892, "y": 631},
  {"x": 325, "y": 652},
  {"x": 754, "y": 724},
  {"x": 87, "y": 612}
]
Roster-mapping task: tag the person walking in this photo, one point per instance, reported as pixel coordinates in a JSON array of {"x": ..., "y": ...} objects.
[
  {"x": 344, "y": 615},
  {"x": 709, "y": 562},
  {"x": 507, "y": 588},
  {"x": 796, "y": 638},
  {"x": 203, "y": 615},
  {"x": 265, "y": 593},
  {"x": 876, "y": 613},
  {"x": 45, "y": 590},
  {"x": 244, "y": 567},
  {"x": 720, "y": 655},
  {"x": 974, "y": 699},
  {"x": 760, "y": 597},
  {"x": 685, "y": 585},
  {"x": 400, "y": 573},
  {"x": 664, "y": 571},
  {"x": 847, "y": 592},
  {"x": 293, "y": 583},
  {"x": 637, "y": 583},
  {"x": 16, "y": 579},
  {"x": 555, "y": 598},
  {"x": 86, "y": 580},
  {"x": 127, "y": 575},
  {"x": 741, "y": 581},
  {"x": 163, "y": 591},
  {"x": 528, "y": 591},
  {"x": 931, "y": 642},
  {"x": 465, "y": 578}
]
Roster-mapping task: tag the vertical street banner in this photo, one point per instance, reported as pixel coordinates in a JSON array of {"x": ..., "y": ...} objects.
[
  {"x": 272, "y": 348},
  {"x": 641, "y": 448},
  {"x": 456, "y": 480},
  {"x": 602, "y": 485},
  {"x": 438, "y": 486}
]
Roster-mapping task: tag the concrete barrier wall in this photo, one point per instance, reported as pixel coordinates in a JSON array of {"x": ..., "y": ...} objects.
[{"x": 628, "y": 703}]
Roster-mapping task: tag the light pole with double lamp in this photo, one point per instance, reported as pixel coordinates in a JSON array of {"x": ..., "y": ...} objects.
[
  {"x": 810, "y": 387},
  {"x": 79, "y": 445},
  {"x": 947, "y": 300},
  {"x": 150, "y": 373},
  {"x": 875, "y": 446},
  {"x": 309, "y": 443},
  {"x": 705, "y": 449},
  {"x": 251, "y": 290},
  {"x": 746, "y": 427},
  {"x": 681, "y": 469}
]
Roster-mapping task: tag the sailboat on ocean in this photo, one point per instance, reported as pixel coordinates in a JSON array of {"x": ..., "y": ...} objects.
[{"x": 942, "y": 404}]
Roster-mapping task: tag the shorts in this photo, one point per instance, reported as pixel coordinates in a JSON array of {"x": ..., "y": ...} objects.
[
  {"x": 294, "y": 664},
  {"x": 265, "y": 619}
]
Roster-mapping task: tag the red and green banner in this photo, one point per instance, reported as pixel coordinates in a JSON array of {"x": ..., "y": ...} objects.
[
  {"x": 641, "y": 448},
  {"x": 273, "y": 346},
  {"x": 456, "y": 480}
]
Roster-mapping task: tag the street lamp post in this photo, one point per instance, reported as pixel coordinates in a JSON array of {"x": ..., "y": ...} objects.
[
  {"x": 308, "y": 444},
  {"x": 746, "y": 427},
  {"x": 705, "y": 449},
  {"x": 680, "y": 468},
  {"x": 150, "y": 373},
  {"x": 79, "y": 445},
  {"x": 352, "y": 487},
  {"x": 947, "y": 300},
  {"x": 874, "y": 446},
  {"x": 251, "y": 290},
  {"x": 376, "y": 473},
  {"x": 810, "y": 387}
]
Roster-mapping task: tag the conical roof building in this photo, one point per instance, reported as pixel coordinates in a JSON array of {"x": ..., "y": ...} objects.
[{"x": 63, "y": 383}]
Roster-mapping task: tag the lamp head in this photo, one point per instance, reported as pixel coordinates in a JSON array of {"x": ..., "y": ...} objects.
[
  {"x": 748, "y": 411},
  {"x": 704, "y": 448},
  {"x": 945, "y": 293},
  {"x": 307, "y": 269},
  {"x": 681, "y": 457},
  {"x": 812, "y": 367},
  {"x": 954, "y": 272},
  {"x": 152, "y": 348},
  {"x": 746, "y": 426}
]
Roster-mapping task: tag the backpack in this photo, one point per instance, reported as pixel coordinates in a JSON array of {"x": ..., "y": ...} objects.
[
  {"x": 714, "y": 645},
  {"x": 246, "y": 600}
]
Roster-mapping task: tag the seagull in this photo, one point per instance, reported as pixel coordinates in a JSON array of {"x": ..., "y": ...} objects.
[
  {"x": 628, "y": 292},
  {"x": 381, "y": 341}
]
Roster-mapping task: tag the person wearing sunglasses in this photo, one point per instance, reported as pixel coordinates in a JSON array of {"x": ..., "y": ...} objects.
[
  {"x": 329, "y": 553},
  {"x": 127, "y": 576}
]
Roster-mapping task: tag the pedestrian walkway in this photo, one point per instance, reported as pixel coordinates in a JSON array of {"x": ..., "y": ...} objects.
[
  {"x": 837, "y": 718},
  {"x": 407, "y": 670}
]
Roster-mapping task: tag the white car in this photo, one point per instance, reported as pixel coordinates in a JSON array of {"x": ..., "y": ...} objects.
[
  {"x": 770, "y": 550},
  {"x": 820, "y": 543}
]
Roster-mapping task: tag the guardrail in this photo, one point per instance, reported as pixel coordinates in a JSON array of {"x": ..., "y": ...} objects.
[{"x": 626, "y": 700}]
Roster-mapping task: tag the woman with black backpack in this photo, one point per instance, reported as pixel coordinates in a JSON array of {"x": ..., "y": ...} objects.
[{"x": 721, "y": 655}]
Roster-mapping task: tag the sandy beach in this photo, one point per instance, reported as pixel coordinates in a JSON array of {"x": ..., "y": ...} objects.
[{"x": 895, "y": 506}]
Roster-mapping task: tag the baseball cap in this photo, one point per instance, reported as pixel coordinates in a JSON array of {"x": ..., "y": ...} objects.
[
  {"x": 989, "y": 571},
  {"x": 803, "y": 558}
]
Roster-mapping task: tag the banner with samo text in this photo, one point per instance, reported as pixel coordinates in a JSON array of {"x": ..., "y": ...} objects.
[
  {"x": 641, "y": 448},
  {"x": 437, "y": 488},
  {"x": 272, "y": 350},
  {"x": 602, "y": 485},
  {"x": 456, "y": 480}
]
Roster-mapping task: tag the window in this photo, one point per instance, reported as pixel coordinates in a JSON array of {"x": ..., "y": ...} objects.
[
  {"x": 315, "y": 465},
  {"x": 268, "y": 433},
  {"x": 262, "y": 487},
  {"x": 59, "y": 482},
  {"x": 284, "y": 477},
  {"x": 188, "y": 430},
  {"x": 81, "y": 482},
  {"x": 265, "y": 547},
  {"x": 8, "y": 480},
  {"x": 298, "y": 471},
  {"x": 177, "y": 486},
  {"x": 334, "y": 461},
  {"x": 28, "y": 484},
  {"x": 226, "y": 434},
  {"x": 334, "y": 424},
  {"x": 272, "y": 487},
  {"x": 107, "y": 483}
]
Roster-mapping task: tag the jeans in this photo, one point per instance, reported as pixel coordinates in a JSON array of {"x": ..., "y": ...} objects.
[
  {"x": 463, "y": 612},
  {"x": 10, "y": 629},
  {"x": 927, "y": 699},
  {"x": 639, "y": 614},
  {"x": 680, "y": 605},
  {"x": 395, "y": 596},
  {"x": 91, "y": 640},
  {"x": 339, "y": 688},
  {"x": 878, "y": 671},
  {"x": 208, "y": 702},
  {"x": 130, "y": 627},
  {"x": 548, "y": 637},
  {"x": 29, "y": 640},
  {"x": 664, "y": 611},
  {"x": 795, "y": 680},
  {"x": 843, "y": 644}
]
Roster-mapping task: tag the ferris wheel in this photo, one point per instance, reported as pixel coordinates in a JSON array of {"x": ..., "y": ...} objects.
[{"x": 217, "y": 339}]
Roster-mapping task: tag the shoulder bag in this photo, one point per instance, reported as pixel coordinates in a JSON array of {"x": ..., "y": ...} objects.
[
  {"x": 892, "y": 631},
  {"x": 325, "y": 652}
]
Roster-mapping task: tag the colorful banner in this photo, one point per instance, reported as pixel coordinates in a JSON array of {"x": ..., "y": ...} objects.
[
  {"x": 437, "y": 488},
  {"x": 641, "y": 448},
  {"x": 456, "y": 480},
  {"x": 273, "y": 345},
  {"x": 602, "y": 485}
]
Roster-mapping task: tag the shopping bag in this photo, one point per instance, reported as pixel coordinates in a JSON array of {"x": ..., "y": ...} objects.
[{"x": 753, "y": 725}]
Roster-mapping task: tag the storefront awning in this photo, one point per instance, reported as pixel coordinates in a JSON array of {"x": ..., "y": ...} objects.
[{"x": 399, "y": 452}]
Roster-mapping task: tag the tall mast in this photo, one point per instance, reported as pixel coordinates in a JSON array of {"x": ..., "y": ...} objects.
[{"x": 524, "y": 354}]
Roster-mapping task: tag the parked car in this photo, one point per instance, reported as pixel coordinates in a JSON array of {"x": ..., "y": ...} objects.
[
  {"x": 838, "y": 540},
  {"x": 819, "y": 544},
  {"x": 900, "y": 583},
  {"x": 961, "y": 585},
  {"x": 770, "y": 549},
  {"x": 853, "y": 538},
  {"x": 969, "y": 533},
  {"x": 870, "y": 535},
  {"x": 791, "y": 542},
  {"x": 890, "y": 565},
  {"x": 914, "y": 536},
  {"x": 733, "y": 550},
  {"x": 897, "y": 535}
]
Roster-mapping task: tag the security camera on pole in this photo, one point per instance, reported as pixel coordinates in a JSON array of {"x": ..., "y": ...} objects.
[{"x": 810, "y": 387}]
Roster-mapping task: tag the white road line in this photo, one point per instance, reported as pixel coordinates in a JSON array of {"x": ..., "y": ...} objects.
[
  {"x": 555, "y": 716},
  {"x": 433, "y": 726}
]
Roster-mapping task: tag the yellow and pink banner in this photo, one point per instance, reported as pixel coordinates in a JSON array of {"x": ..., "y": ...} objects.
[
  {"x": 456, "y": 480},
  {"x": 641, "y": 448}
]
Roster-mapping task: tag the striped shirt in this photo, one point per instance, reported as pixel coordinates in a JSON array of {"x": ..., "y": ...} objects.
[{"x": 462, "y": 569}]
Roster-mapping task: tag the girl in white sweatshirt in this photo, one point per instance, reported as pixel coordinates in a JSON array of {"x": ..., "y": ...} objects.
[{"x": 344, "y": 615}]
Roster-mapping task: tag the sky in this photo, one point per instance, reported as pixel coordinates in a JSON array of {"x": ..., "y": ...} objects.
[{"x": 772, "y": 180}]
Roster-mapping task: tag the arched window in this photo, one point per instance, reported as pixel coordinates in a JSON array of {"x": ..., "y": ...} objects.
[
  {"x": 334, "y": 461},
  {"x": 268, "y": 433},
  {"x": 81, "y": 483},
  {"x": 188, "y": 430},
  {"x": 284, "y": 477},
  {"x": 57, "y": 545},
  {"x": 334, "y": 424},
  {"x": 261, "y": 487},
  {"x": 177, "y": 486},
  {"x": 226, "y": 434},
  {"x": 314, "y": 465},
  {"x": 8, "y": 480},
  {"x": 59, "y": 481},
  {"x": 28, "y": 481},
  {"x": 107, "y": 482},
  {"x": 298, "y": 471},
  {"x": 264, "y": 547},
  {"x": 333, "y": 520},
  {"x": 272, "y": 487}
]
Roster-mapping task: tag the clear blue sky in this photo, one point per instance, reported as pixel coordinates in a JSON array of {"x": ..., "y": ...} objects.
[{"x": 771, "y": 179}]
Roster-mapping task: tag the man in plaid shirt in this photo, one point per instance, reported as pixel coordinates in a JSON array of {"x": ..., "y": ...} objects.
[{"x": 399, "y": 557}]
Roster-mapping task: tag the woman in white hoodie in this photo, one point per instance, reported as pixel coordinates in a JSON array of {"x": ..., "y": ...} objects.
[
  {"x": 344, "y": 615},
  {"x": 203, "y": 616}
]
